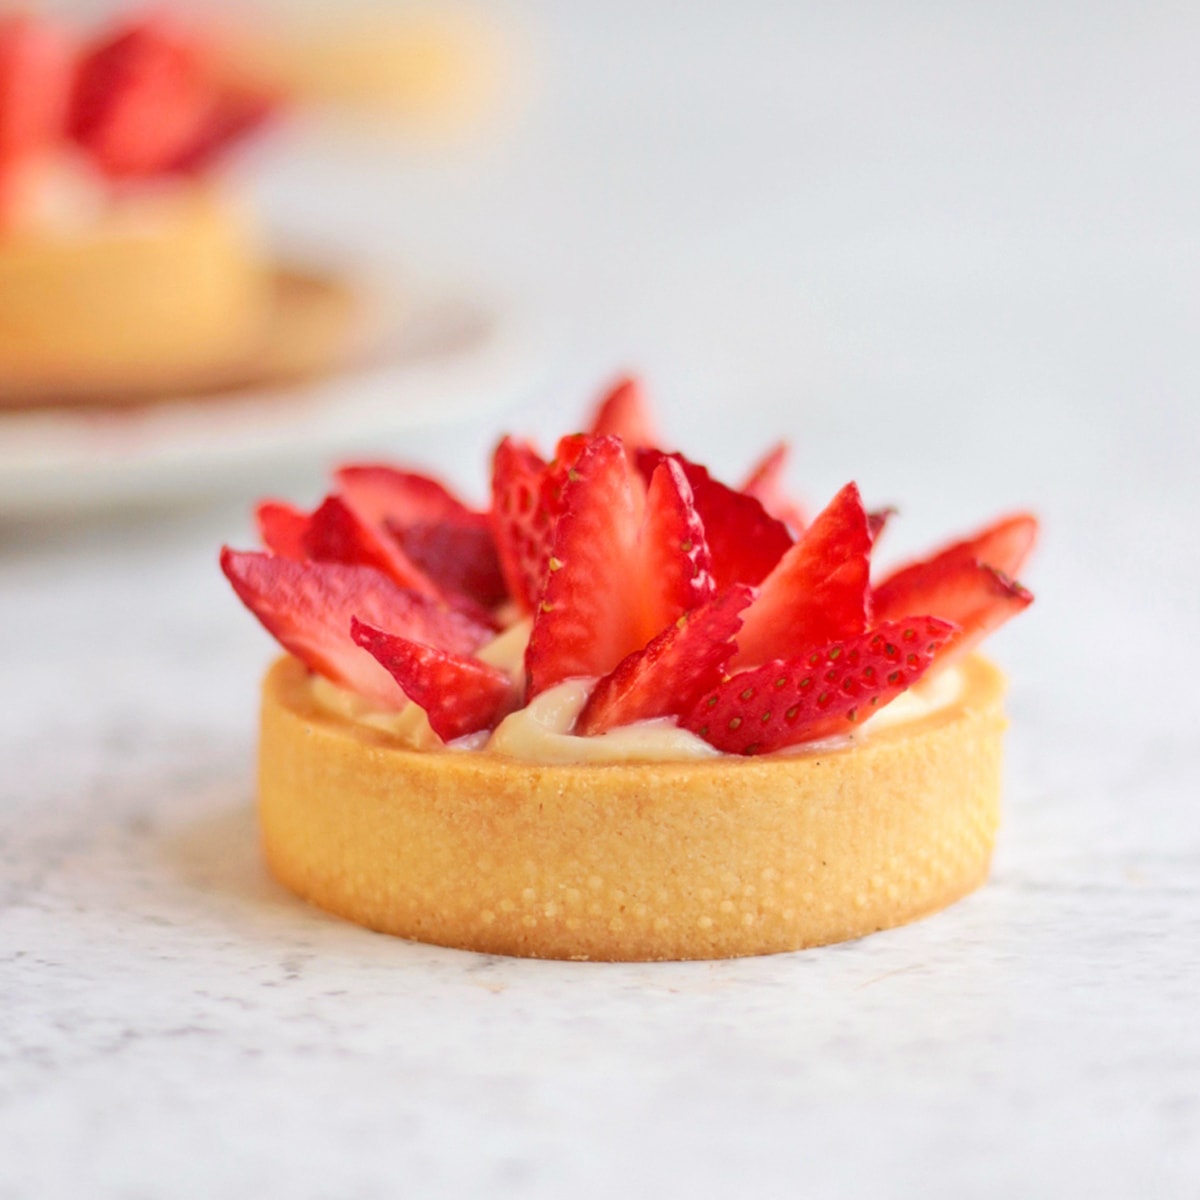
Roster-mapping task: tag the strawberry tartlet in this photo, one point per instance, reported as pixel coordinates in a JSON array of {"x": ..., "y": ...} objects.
[
  {"x": 127, "y": 272},
  {"x": 628, "y": 712}
]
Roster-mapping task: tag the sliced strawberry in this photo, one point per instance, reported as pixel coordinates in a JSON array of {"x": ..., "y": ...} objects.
[
  {"x": 559, "y": 473},
  {"x": 626, "y": 562},
  {"x": 385, "y": 495},
  {"x": 459, "y": 556},
  {"x": 588, "y": 618},
  {"x": 877, "y": 521},
  {"x": 336, "y": 533},
  {"x": 36, "y": 65},
  {"x": 1004, "y": 544},
  {"x": 817, "y": 592},
  {"x": 307, "y": 607},
  {"x": 436, "y": 534},
  {"x": 460, "y": 695},
  {"x": 520, "y": 525},
  {"x": 818, "y": 695},
  {"x": 142, "y": 99},
  {"x": 624, "y": 412},
  {"x": 676, "y": 561},
  {"x": 976, "y": 597},
  {"x": 744, "y": 539},
  {"x": 527, "y": 500},
  {"x": 765, "y": 484},
  {"x": 282, "y": 528},
  {"x": 670, "y": 674}
]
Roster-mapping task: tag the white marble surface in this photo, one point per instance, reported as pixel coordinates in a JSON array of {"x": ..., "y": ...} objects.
[{"x": 956, "y": 256}]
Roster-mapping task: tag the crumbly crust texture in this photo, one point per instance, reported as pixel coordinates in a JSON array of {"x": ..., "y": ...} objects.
[{"x": 717, "y": 858}]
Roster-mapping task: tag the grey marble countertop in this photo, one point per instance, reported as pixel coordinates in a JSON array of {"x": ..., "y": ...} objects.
[{"x": 955, "y": 256}]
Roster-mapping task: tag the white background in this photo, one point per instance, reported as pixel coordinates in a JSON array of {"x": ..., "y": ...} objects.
[{"x": 952, "y": 251}]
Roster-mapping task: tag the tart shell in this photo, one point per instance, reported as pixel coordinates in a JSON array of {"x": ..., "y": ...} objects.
[
  {"x": 181, "y": 306},
  {"x": 713, "y": 858}
]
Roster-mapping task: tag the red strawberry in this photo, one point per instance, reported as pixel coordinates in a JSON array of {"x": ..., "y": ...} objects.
[
  {"x": 559, "y": 472},
  {"x": 35, "y": 83},
  {"x": 519, "y": 524},
  {"x": 440, "y": 537},
  {"x": 142, "y": 99},
  {"x": 460, "y": 695},
  {"x": 765, "y": 484},
  {"x": 818, "y": 695},
  {"x": 670, "y": 674},
  {"x": 282, "y": 528},
  {"x": 588, "y": 618},
  {"x": 336, "y": 533},
  {"x": 745, "y": 541},
  {"x": 460, "y": 557},
  {"x": 676, "y": 562},
  {"x": 308, "y": 607},
  {"x": 623, "y": 412},
  {"x": 385, "y": 495},
  {"x": 817, "y": 592},
  {"x": 627, "y": 561},
  {"x": 1005, "y": 545},
  {"x": 527, "y": 500},
  {"x": 877, "y": 521},
  {"x": 976, "y": 597}
]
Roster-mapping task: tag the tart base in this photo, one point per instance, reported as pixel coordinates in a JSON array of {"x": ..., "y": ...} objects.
[
  {"x": 716, "y": 858},
  {"x": 177, "y": 304},
  {"x": 313, "y": 325}
]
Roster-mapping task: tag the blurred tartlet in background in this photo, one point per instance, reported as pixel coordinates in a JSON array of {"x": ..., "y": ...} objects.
[
  {"x": 416, "y": 68},
  {"x": 128, "y": 269}
]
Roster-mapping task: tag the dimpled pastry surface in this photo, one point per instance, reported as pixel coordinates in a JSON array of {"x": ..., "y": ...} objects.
[{"x": 717, "y": 858}]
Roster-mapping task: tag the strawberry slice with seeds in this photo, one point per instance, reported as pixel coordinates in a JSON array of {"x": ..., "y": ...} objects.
[
  {"x": 520, "y": 524},
  {"x": 588, "y": 617},
  {"x": 676, "y": 560},
  {"x": 625, "y": 413},
  {"x": 744, "y": 539},
  {"x": 527, "y": 500},
  {"x": 460, "y": 695},
  {"x": 308, "y": 607},
  {"x": 282, "y": 528},
  {"x": 559, "y": 472},
  {"x": 627, "y": 561},
  {"x": 821, "y": 694},
  {"x": 1004, "y": 544},
  {"x": 975, "y": 596},
  {"x": 765, "y": 484},
  {"x": 669, "y": 675},
  {"x": 817, "y": 593}
]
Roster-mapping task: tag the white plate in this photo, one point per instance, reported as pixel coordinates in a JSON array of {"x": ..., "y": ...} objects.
[{"x": 445, "y": 358}]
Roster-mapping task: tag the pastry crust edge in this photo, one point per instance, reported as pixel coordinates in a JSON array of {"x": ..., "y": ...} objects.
[{"x": 705, "y": 859}]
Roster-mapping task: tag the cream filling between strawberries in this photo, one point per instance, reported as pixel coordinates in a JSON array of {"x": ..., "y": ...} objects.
[{"x": 541, "y": 731}]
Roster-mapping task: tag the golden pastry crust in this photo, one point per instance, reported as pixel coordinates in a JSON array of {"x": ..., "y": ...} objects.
[
  {"x": 133, "y": 304},
  {"x": 175, "y": 301},
  {"x": 715, "y": 858}
]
